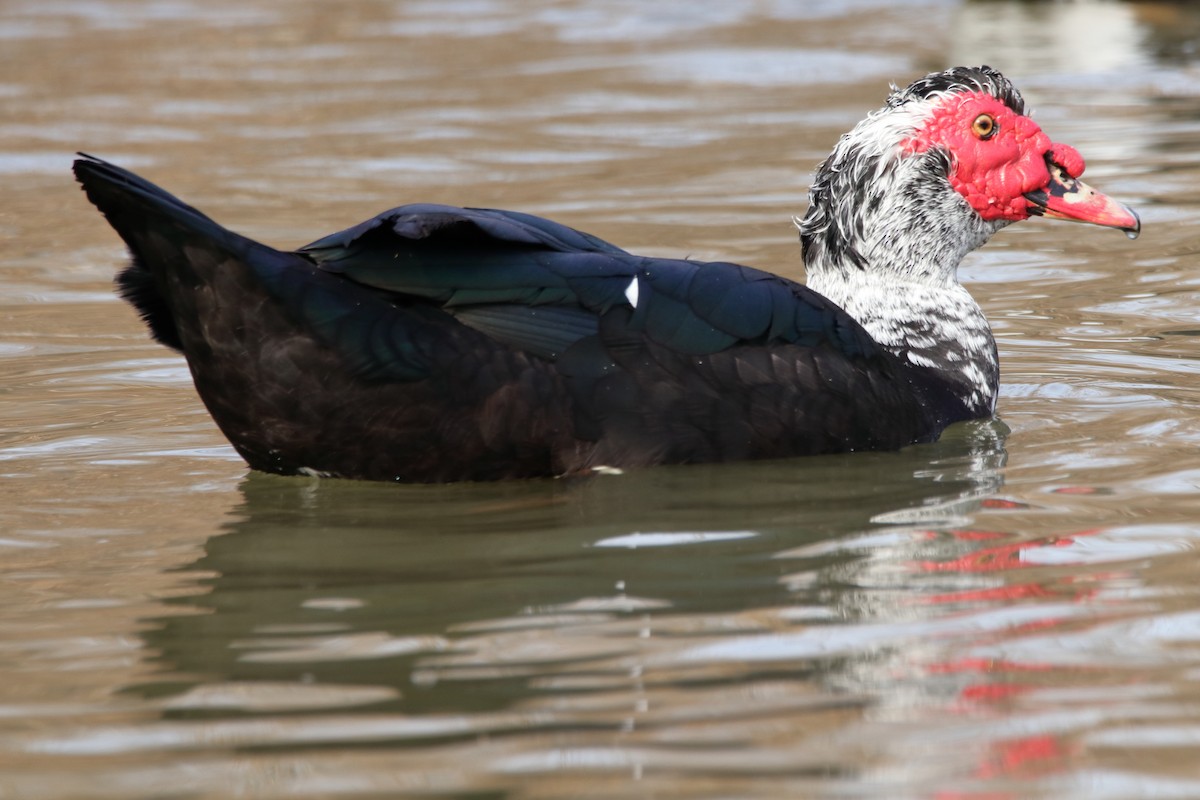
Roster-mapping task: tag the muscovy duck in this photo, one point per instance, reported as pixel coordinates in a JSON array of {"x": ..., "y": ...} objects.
[{"x": 435, "y": 343}]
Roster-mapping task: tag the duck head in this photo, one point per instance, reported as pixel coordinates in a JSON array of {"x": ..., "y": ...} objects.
[{"x": 932, "y": 175}]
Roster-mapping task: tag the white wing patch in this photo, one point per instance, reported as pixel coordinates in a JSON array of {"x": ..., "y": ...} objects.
[{"x": 631, "y": 292}]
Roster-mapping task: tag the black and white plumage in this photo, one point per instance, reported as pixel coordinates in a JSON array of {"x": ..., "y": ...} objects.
[
  {"x": 434, "y": 343},
  {"x": 883, "y": 239}
]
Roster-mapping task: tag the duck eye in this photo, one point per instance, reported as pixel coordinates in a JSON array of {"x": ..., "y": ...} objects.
[{"x": 984, "y": 127}]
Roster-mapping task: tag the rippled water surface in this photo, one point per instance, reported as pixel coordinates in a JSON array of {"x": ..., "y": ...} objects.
[{"x": 1011, "y": 612}]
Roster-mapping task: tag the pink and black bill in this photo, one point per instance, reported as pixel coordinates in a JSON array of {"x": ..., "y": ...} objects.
[{"x": 1067, "y": 197}]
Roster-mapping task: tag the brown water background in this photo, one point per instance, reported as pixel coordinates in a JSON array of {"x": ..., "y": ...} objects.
[{"x": 1012, "y": 612}]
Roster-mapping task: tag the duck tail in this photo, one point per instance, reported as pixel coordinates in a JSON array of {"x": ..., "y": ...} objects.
[{"x": 160, "y": 231}]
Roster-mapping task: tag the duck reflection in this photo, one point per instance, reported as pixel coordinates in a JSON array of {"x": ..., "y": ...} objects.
[{"x": 362, "y": 583}]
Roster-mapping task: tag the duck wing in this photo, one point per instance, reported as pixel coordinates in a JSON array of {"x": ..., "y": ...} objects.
[
  {"x": 540, "y": 286},
  {"x": 666, "y": 359}
]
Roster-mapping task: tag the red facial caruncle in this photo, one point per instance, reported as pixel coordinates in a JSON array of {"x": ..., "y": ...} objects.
[{"x": 1007, "y": 168}]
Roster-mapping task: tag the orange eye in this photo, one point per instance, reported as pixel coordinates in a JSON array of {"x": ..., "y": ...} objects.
[{"x": 984, "y": 127}]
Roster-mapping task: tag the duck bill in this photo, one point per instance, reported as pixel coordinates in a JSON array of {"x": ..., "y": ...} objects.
[{"x": 1066, "y": 197}]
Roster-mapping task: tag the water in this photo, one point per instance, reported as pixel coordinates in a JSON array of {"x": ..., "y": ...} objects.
[{"x": 1011, "y": 612}]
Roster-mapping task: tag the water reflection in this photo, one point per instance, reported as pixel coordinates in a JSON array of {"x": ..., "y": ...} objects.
[
  {"x": 474, "y": 599},
  {"x": 737, "y": 624}
]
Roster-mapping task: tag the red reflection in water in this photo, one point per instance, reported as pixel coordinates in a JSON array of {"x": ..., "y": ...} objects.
[
  {"x": 1001, "y": 557},
  {"x": 972, "y": 696},
  {"x": 986, "y": 665},
  {"x": 990, "y": 692},
  {"x": 1031, "y": 755},
  {"x": 1001, "y": 503},
  {"x": 995, "y": 593},
  {"x": 1025, "y": 756}
]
